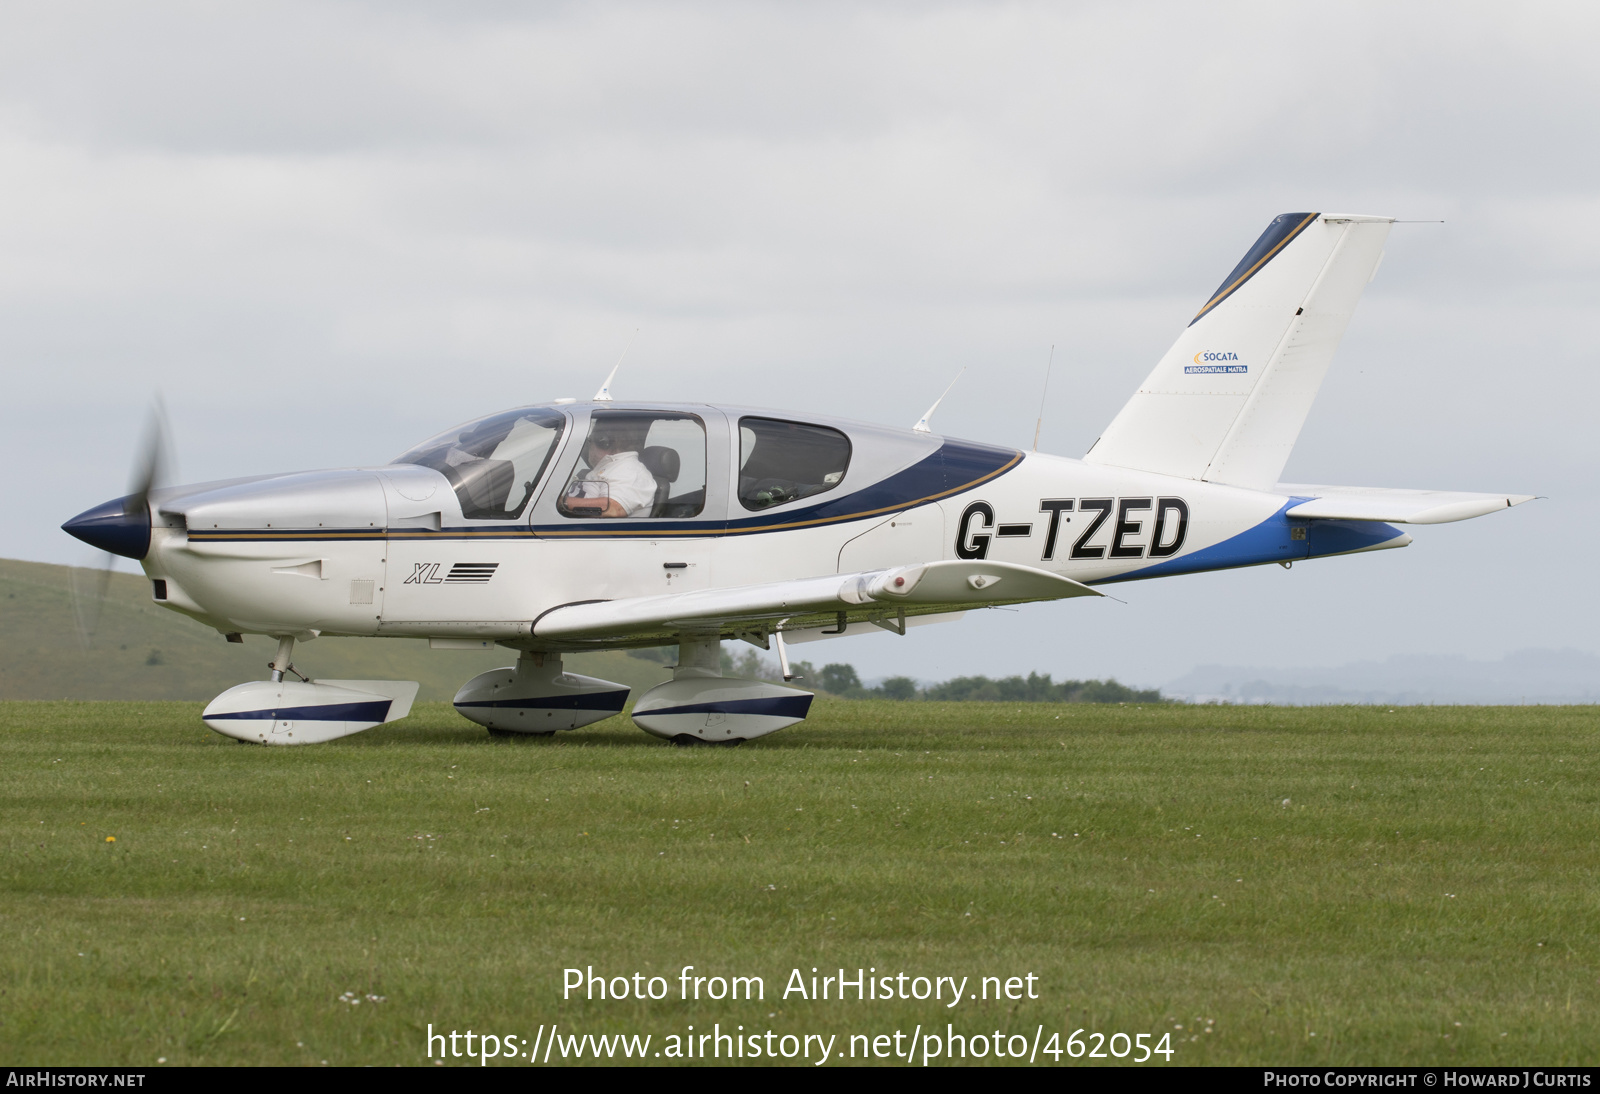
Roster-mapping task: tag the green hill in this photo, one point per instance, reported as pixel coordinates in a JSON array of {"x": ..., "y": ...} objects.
[{"x": 137, "y": 650}]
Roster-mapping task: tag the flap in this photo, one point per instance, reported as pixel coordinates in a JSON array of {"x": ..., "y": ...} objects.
[
  {"x": 926, "y": 589},
  {"x": 1393, "y": 506}
]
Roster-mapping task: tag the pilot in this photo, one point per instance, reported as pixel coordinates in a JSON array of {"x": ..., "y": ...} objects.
[{"x": 612, "y": 452}]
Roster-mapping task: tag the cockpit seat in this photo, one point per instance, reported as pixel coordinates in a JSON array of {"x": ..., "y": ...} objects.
[{"x": 664, "y": 464}]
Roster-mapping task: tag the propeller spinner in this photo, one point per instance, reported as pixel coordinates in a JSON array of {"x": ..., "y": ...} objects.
[{"x": 122, "y": 527}]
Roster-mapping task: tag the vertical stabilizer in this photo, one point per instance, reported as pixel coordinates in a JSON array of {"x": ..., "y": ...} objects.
[{"x": 1227, "y": 401}]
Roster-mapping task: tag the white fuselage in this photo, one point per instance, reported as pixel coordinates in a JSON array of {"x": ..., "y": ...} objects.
[{"x": 391, "y": 557}]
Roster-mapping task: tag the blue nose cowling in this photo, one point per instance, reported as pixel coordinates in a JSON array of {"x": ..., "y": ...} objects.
[{"x": 121, "y": 527}]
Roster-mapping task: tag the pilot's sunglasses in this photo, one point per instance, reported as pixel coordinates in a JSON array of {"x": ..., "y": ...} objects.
[{"x": 603, "y": 441}]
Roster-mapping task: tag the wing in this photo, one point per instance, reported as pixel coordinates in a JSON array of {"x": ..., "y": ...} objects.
[
  {"x": 1393, "y": 506},
  {"x": 886, "y": 597}
]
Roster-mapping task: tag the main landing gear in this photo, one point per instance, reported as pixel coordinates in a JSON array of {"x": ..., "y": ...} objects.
[
  {"x": 699, "y": 705},
  {"x": 535, "y": 698}
]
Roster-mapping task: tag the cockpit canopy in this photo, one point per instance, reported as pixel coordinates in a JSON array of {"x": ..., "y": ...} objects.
[{"x": 661, "y": 462}]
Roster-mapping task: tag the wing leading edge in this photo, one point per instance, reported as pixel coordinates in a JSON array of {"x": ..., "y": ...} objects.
[{"x": 886, "y": 597}]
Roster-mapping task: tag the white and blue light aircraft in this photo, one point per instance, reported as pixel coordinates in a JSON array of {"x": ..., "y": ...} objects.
[{"x": 569, "y": 526}]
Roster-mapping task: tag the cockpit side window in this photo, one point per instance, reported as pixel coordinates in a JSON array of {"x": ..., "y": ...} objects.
[
  {"x": 495, "y": 463},
  {"x": 780, "y": 461},
  {"x": 638, "y": 464}
]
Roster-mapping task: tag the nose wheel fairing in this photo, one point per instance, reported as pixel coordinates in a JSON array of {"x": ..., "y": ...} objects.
[{"x": 293, "y": 712}]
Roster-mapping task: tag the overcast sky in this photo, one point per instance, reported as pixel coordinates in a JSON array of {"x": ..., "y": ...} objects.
[{"x": 325, "y": 231}]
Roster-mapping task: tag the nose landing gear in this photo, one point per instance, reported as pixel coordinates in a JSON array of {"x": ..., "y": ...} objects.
[{"x": 300, "y": 712}]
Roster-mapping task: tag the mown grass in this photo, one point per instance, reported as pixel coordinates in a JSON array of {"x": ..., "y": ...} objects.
[{"x": 1293, "y": 886}]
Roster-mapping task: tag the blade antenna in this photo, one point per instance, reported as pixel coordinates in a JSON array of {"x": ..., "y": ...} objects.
[
  {"x": 604, "y": 394},
  {"x": 1040, "y": 423},
  {"x": 922, "y": 422}
]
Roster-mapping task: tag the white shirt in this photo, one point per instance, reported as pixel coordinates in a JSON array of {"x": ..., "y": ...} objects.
[{"x": 628, "y": 482}]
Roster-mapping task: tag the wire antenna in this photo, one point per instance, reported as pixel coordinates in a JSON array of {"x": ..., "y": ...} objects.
[
  {"x": 1040, "y": 423},
  {"x": 604, "y": 394}
]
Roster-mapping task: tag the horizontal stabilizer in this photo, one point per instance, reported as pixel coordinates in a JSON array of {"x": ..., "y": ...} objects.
[
  {"x": 927, "y": 589},
  {"x": 1393, "y": 506}
]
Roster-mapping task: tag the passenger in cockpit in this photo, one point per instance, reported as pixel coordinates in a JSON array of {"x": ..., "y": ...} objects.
[{"x": 612, "y": 453}]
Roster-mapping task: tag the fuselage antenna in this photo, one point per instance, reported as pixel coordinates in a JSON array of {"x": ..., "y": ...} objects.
[
  {"x": 604, "y": 394},
  {"x": 922, "y": 422},
  {"x": 1040, "y": 423}
]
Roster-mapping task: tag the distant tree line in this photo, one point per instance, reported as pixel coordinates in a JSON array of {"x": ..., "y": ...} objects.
[{"x": 843, "y": 681}]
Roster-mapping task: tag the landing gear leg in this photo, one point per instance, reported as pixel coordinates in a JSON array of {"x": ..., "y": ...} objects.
[
  {"x": 698, "y": 657},
  {"x": 281, "y": 663}
]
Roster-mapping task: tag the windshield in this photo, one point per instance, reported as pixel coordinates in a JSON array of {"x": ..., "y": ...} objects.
[{"x": 493, "y": 463}]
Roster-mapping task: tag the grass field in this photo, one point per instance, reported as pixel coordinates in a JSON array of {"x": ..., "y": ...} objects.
[
  {"x": 132, "y": 648},
  {"x": 1314, "y": 885}
]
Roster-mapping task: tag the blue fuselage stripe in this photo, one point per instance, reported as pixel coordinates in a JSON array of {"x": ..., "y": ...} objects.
[{"x": 1272, "y": 541}]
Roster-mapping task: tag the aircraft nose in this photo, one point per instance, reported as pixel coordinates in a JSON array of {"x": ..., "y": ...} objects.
[{"x": 121, "y": 527}]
